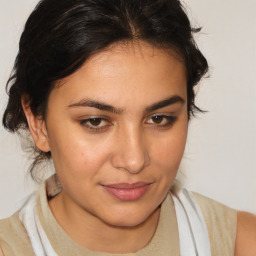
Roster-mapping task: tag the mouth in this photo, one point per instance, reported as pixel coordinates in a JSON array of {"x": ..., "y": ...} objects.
[{"x": 127, "y": 191}]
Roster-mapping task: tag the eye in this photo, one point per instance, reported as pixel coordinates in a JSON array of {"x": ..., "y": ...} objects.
[
  {"x": 162, "y": 120},
  {"x": 95, "y": 123},
  {"x": 158, "y": 119}
]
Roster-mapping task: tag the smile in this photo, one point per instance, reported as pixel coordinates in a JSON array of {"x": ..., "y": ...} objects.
[{"x": 126, "y": 191}]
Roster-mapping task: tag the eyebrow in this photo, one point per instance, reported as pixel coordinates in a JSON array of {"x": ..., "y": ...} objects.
[
  {"x": 106, "y": 107},
  {"x": 98, "y": 105},
  {"x": 164, "y": 103}
]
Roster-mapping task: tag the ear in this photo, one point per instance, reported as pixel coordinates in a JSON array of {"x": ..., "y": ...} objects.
[{"x": 37, "y": 127}]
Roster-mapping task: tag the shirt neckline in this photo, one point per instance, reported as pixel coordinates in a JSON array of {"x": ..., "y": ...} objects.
[{"x": 164, "y": 242}]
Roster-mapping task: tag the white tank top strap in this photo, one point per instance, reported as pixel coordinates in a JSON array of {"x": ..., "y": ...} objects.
[
  {"x": 193, "y": 233},
  {"x": 192, "y": 229},
  {"x": 38, "y": 238}
]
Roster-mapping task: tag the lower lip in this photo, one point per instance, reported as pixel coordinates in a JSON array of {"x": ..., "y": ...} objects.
[{"x": 127, "y": 194}]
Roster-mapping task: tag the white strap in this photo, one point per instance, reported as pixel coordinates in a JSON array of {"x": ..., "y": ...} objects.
[
  {"x": 193, "y": 234},
  {"x": 38, "y": 238}
]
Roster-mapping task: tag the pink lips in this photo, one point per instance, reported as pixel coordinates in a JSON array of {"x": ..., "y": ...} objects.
[{"x": 126, "y": 191}]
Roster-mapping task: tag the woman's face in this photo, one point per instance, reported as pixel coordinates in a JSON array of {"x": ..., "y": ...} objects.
[{"x": 116, "y": 129}]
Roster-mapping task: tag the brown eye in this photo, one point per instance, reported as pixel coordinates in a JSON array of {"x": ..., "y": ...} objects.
[
  {"x": 161, "y": 121},
  {"x": 157, "y": 119},
  {"x": 95, "y": 121},
  {"x": 95, "y": 124}
]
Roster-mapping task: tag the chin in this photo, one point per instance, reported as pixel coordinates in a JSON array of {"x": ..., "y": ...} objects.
[
  {"x": 127, "y": 218},
  {"x": 125, "y": 223}
]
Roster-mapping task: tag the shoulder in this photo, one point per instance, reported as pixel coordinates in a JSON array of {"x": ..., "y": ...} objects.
[
  {"x": 6, "y": 231},
  {"x": 230, "y": 232},
  {"x": 216, "y": 210},
  {"x": 246, "y": 234},
  {"x": 221, "y": 222},
  {"x": 14, "y": 239},
  {"x": 217, "y": 213},
  {"x": 7, "y": 226}
]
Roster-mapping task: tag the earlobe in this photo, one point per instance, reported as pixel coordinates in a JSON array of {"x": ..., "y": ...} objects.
[{"x": 37, "y": 127}]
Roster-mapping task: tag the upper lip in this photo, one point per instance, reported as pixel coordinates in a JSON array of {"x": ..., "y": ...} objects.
[{"x": 128, "y": 185}]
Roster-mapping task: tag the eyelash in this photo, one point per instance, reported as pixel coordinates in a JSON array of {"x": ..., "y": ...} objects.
[
  {"x": 86, "y": 123},
  {"x": 170, "y": 120}
]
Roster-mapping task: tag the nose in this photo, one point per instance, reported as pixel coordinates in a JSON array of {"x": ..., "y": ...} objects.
[{"x": 131, "y": 152}]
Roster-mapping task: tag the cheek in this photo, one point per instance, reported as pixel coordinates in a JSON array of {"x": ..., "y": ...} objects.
[
  {"x": 169, "y": 151},
  {"x": 75, "y": 155}
]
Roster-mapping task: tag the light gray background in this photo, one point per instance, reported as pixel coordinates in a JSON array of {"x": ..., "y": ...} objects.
[{"x": 219, "y": 161}]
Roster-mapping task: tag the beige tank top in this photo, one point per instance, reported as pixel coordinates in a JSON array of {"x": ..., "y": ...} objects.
[{"x": 220, "y": 220}]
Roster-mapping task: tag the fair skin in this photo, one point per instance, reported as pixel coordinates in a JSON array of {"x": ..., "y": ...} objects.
[
  {"x": 137, "y": 94},
  {"x": 246, "y": 234},
  {"x": 137, "y": 97}
]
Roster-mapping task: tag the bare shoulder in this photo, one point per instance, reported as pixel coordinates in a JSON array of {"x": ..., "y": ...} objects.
[
  {"x": 246, "y": 234},
  {"x": 1, "y": 252}
]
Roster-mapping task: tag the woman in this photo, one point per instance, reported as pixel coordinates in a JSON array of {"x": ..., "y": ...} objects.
[{"x": 106, "y": 90}]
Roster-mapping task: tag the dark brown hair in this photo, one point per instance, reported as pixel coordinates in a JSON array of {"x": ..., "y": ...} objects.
[{"x": 59, "y": 36}]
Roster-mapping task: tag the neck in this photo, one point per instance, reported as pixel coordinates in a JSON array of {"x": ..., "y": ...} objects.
[{"x": 90, "y": 232}]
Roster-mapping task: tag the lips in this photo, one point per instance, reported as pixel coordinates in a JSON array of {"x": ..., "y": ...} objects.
[{"x": 127, "y": 191}]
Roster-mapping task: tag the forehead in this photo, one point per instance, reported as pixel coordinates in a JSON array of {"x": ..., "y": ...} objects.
[{"x": 132, "y": 71}]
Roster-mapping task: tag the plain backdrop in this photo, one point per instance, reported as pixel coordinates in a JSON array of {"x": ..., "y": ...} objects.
[{"x": 219, "y": 161}]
